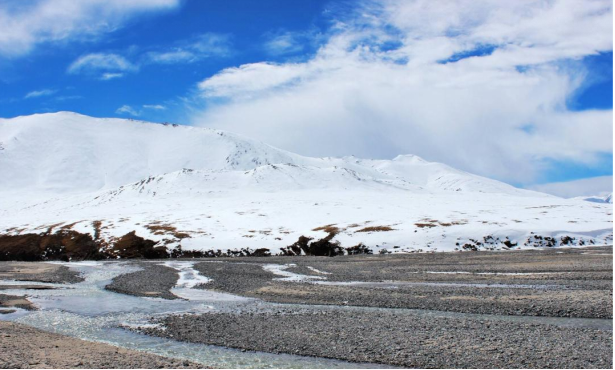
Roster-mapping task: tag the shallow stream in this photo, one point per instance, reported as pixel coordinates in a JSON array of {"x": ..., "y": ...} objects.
[{"x": 87, "y": 311}]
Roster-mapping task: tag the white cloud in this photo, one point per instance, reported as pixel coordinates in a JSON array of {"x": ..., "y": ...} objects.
[
  {"x": 154, "y": 106},
  {"x": 116, "y": 66},
  {"x": 110, "y": 75},
  {"x": 68, "y": 97},
  {"x": 286, "y": 42},
  {"x": 198, "y": 48},
  {"x": 110, "y": 64},
  {"x": 283, "y": 44},
  {"x": 25, "y": 24},
  {"x": 39, "y": 93},
  {"x": 127, "y": 109},
  {"x": 381, "y": 85},
  {"x": 601, "y": 185},
  {"x": 172, "y": 57}
]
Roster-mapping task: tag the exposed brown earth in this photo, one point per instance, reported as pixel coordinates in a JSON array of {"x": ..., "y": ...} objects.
[
  {"x": 61, "y": 245},
  {"x": 24, "y": 347},
  {"x": 67, "y": 245},
  {"x": 40, "y": 272},
  {"x": 14, "y": 301}
]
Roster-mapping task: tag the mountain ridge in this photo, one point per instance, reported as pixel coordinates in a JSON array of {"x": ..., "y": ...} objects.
[{"x": 74, "y": 152}]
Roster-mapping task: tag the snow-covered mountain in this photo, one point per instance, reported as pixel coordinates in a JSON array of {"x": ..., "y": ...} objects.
[
  {"x": 206, "y": 189},
  {"x": 67, "y": 152}
]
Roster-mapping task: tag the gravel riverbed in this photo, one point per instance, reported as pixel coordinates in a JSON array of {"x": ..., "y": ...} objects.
[
  {"x": 397, "y": 339},
  {"x": 519, "y": 309}
]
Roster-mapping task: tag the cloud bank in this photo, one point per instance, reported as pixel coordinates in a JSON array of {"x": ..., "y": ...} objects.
[
  {"x": 480, "y": 85},
  {"x": 601, "y": 185}
]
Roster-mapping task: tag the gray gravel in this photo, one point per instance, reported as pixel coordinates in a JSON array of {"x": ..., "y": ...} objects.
[
  {"x": 153, "y": 280},
  {"x": 236, "y": 278},
  {"x": 566, "y": 303},
  {"x": 398, "y": 339},
  {"x": 574, "y": 283}
]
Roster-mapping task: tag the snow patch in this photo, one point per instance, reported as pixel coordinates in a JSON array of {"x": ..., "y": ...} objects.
[
  {"x": 189, "y": 279},
  {"x": 281, "y": 270}
]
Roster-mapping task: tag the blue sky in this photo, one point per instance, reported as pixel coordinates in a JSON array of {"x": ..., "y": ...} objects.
[
  {"x": 244, "y": 26},
  {"x": 519, "y": 93}
]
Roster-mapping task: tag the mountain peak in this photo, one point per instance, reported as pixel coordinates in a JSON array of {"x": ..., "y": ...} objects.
[{"x": 412, "y": 158}]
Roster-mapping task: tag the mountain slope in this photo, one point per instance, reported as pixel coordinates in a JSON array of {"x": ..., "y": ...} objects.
[
  {"x": 209, "y": 190},
  {"x": 69, "y": 152}
]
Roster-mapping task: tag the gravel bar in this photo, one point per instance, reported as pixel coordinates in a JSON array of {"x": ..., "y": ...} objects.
[
  {"x": 153, "y": 280},
  {"x": 397, "y": 339}
]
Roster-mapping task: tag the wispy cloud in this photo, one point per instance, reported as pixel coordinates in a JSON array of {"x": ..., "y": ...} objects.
[
  {"x": 127, "y": 109},
  {"x": 110, "y": 75},
  {"x": 378, "y": 87},
  {"x": 25, "y": 24},
  {"x": 107, "y": 65},
  {"x": 284, "y": 42},
  {"x": 39, "y": 93},
  {"x": 204, "y": 46},
  {"x": 154, "y": 106},
  {"x": 68, "y": 97}
]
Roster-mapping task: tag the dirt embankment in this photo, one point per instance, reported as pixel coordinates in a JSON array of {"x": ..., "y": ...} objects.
[
  {"x": 66, "y": 245},
  {"x": 70, "y": 245}
]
